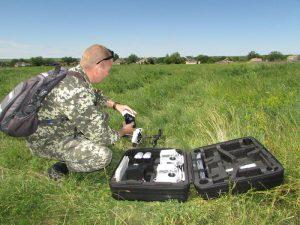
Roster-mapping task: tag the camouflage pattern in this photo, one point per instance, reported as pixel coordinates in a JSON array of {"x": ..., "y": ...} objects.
[{"x": 82, "y": 140}]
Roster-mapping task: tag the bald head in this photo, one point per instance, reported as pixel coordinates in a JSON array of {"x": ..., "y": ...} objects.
[{"x": 92, "y": 55}]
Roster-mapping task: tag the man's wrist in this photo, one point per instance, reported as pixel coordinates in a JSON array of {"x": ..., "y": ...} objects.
[
  {"x": 109, "y": 103},
  {"x": 120, "y": 134}
]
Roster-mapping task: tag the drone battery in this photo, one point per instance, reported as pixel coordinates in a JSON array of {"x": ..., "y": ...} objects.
[
  {"x": 147, "y": 158},
  {"x": 147, "y": 155},
  {"x": 138, "y": 157}
]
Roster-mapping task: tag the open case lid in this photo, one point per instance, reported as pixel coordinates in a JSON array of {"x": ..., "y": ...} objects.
[{"x": 244, "y": 161}]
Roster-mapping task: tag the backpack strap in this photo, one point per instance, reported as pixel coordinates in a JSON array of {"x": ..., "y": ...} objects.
[
  {"x": 56, "y": 121},
  {"x": 77, "y": 75},
  {"x": 59, "y": 120},
  {"x": 57, "y": 69}
]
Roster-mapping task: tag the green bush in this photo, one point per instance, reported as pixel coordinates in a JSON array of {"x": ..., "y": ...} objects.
[
  {"x": 132, "y": 59},
  {"x": 69, "y": 61},
  {"x": 252, "y": 54},
  {"x": 174, "y": 58},
  {"x": 275, "y": 56}
]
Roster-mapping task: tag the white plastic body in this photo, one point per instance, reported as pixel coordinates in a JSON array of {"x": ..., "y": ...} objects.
[
  {"x": 135, "y": 135},
  {"x": 122, "y": 168},
  {"x": 165, "y": 170},
  {"x": 171, "y": 156},
  {"x": 247, "y": 166},
  {"x": 147, "y": 155},
  {"x": 138, "y": 155},
  {"x": 127, "y": 112}
]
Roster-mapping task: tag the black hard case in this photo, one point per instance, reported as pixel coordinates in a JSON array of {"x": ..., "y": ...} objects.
[{"x": 214, "y": 180}]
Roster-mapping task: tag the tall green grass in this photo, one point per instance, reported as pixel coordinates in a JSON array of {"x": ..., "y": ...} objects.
[{"x": 195, "y": 105}]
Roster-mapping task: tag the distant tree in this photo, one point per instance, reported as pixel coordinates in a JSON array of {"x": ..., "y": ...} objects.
[
  {"x": 159, "y": 60},
  {"x": 264, "y": 57},
  {"x": 203, "y": 58},
  {"x": 275, "y": 56},
  {"x": 214, "y": 59},
  {"x": 37, "y": 61},
  {"x": 189, "y": 57},
  {"x": 4, "y": 63},
  {"x": 50, "y": 62},
  {"x": 116, "y": 56},
  {"x": 132, "y": 59},
  {"x": 167, "y": 59},
  {"x": 239, "y": 58},
  {"x": 252, "y": 55},
  {"x": 22, "y": 60},
  {"x": 174, "y": 58},
  {"x": 13, "y": 62},
  {"x": 150, "y": 60},
  {"x": 68, "y": 60}
]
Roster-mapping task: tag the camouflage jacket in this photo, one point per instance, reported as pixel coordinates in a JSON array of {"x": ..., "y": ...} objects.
[{"x": 75, "y": 99}]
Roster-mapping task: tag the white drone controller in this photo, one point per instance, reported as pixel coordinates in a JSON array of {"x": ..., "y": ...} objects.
[
  {"x": 136, "y": 136},
  {"x": 169, "y": 173},
  {"x": 169, "y": 168},
  {"x": 171, "y": 156}
]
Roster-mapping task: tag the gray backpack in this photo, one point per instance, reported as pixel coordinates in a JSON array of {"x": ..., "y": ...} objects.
[{"x": 18, "y": 110}]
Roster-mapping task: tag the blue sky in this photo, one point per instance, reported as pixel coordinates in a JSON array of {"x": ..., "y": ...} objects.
[{"x": 148, "y": 28}]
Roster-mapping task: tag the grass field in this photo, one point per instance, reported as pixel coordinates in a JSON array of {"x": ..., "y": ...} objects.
[{"x": 196, "y": 105}]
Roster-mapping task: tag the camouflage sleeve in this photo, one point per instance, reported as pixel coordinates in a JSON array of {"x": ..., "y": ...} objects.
[
  {"x": 76, "y": 101},
  {"x": 100, "y": 98}
]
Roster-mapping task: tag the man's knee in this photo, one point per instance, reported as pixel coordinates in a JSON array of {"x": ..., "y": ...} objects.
[
  {"x": 105, "y": 159},
  {"x": 99, "y": 158}
]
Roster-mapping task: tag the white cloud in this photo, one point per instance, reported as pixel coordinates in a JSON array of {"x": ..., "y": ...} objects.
[
  {"x": 13, "y": 49},
  {"x": 13, "y": 44}
]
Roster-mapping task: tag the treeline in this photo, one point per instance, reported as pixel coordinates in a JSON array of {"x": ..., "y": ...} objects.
[
  {"x": 174, "y": 58},
  {"x": 39, "y": 61}
]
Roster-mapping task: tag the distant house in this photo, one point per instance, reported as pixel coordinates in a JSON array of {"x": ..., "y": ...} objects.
[
  {"x": 142, "y": 61},
  {"x": 119, "y": 61},
  {"x": 192, "y": 61},
  {"x": 255, "y": 60},
  {"x": 224, "y": 61},
  {"x": 293, "y": 58},
  {"x": 21, "y": 64}
]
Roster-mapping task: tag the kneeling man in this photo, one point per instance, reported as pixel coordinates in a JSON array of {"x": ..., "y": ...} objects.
[{"x": 80, "y": 140}]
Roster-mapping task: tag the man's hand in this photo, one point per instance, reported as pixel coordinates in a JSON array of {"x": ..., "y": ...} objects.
[
  {"x": 121, "y": 108},
  {"x": 126, "y": 129}
]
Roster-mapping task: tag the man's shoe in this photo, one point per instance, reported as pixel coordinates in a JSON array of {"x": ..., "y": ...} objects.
[{"x": 58, "y": 170}]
